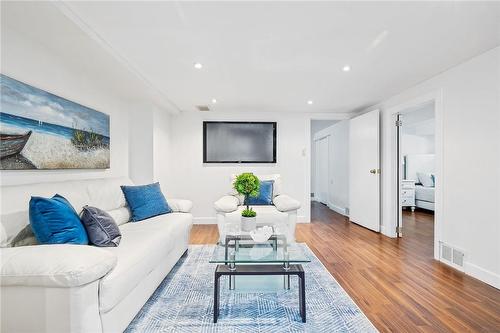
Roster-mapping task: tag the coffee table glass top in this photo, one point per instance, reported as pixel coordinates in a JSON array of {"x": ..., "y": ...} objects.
[{"x": 248, "y": 251}]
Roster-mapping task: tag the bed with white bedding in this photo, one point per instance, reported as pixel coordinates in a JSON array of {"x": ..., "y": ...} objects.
[
  {"x": 424, "y": 197},
  {"x": 420, "y": 163}
]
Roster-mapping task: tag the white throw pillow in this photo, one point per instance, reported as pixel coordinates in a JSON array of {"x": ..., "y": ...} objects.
[{"x": 426, "y": 179}]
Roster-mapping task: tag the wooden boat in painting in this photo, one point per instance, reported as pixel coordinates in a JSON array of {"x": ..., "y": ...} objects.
[{"x": 11, "y": 144}]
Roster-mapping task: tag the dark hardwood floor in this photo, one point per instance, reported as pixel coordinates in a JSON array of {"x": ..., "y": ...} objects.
[
  {"x": 418, "y": 230},
  {"x": 396, "y": 282}
]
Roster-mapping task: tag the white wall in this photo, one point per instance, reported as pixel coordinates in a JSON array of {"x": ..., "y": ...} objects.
[
  {"x": 417, "y": 144},
  {"x": 418, "y": 131},
  {"x": 320, "y": 124},
  {"x": 30, "y": 61},
  {"x": 162, "y": 157},
  {"x": 149, "y": 147},
  {"x": 338, "y": 165},
  {"x": 141, "y": 169},
  {"x": 206, "y": 183},
  {"x": 471, "y": 160}
]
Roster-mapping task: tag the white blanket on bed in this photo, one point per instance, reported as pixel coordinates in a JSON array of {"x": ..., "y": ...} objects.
[{"x": 424, "y": 193}]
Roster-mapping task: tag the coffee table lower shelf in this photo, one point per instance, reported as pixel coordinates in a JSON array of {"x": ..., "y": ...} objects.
[{"x": 287, "y": 271}]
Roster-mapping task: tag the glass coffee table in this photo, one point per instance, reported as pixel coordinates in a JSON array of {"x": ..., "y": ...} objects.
[{"x": 242, "y": 256}]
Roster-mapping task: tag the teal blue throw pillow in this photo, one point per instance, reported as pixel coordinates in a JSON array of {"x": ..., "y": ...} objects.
[
  {"x": 265, "y": 194},
  {"x": 145, "y": 201},
  {"x": 55, "y": 221}
]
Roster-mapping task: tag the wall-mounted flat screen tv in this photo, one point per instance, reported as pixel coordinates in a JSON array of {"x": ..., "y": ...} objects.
[{"x": 239, "y": 142}]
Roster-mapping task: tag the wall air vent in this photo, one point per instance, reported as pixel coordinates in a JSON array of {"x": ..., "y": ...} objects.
[
  {"x": 202, "y": 108},
  {"x": 458, "y": 258},
  {"x": 451, "y": 256}
]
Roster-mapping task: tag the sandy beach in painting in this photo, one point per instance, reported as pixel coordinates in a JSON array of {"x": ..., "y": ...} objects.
[{"x": 48, "y": 151}]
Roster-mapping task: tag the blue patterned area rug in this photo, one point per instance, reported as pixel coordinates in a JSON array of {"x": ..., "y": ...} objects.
[{"x": 184, "y": 302}]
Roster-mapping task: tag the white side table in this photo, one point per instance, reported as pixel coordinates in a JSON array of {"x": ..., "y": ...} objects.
[{"x": 408, "y": 193}]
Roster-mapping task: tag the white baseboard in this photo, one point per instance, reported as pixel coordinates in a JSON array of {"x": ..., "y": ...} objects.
[
  {"x": 302, "y": 219},
  {"x": 204, "y": 220},
  {"x": 213, "y": 220},
  {"x": 482, "y": 274},
  {"x": 338, "y": 209}
]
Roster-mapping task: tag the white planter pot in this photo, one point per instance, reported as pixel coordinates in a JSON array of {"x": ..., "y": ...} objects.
[{"x": 248, "y": 223}]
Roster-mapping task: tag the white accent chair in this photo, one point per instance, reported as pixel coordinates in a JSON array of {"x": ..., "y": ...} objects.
[
  {"x": 83, "y": 288},
  {"x": 283, "y": 212}
]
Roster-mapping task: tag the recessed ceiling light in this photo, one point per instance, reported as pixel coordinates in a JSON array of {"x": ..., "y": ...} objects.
[
  {"x": 309, "y": 102},
  {"x": 197, "y": 65},
  {"x": 346, "y": 68},
  {"x": 214, "y": 100}
]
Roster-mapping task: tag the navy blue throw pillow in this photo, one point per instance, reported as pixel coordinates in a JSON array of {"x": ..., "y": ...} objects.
[
  {"x": 265, "y": 194},
  {"x": 55, "y": 221},
  {"x": 145, "y": 201},
  {"x": 101, "y": 228}
]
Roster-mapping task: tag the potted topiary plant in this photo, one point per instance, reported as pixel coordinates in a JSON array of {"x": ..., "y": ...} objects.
[{"x": 248, "y": 185}]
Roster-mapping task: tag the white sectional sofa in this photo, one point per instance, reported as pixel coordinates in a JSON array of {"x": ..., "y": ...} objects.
[{"x": 77, "y": 288}]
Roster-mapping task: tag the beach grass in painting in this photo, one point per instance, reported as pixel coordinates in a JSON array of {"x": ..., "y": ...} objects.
[{"x": 39, "y": 130}]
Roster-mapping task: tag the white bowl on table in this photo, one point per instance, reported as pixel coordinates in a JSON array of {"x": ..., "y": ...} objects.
[{"x": 261, "y": 235}]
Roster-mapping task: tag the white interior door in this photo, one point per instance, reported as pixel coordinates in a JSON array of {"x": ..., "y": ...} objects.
[
  {"x": 364, "y": 177},
  {"x": 321, "y": 165}
]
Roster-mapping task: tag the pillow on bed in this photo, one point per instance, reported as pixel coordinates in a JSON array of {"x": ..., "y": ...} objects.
[{"x": 426, "y": 179}]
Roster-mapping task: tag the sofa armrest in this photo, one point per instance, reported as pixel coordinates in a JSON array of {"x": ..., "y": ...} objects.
[
  {"x": 180, "y": 205},
  {"x": 284, "y": 203},
  {"x": 61, "y": 265},
  {"x": 227, "y": 204}
]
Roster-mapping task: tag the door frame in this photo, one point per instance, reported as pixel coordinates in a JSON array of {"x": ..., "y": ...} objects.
[
  {"x": 306, "y": 152},
  {"x": 327, "y": 199},
  {"x": 393, "y": 204}
]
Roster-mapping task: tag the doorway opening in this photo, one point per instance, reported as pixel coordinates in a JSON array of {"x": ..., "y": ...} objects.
[
  {"x": 330, "y": 164},
  {"x": 416, "y": 147}
]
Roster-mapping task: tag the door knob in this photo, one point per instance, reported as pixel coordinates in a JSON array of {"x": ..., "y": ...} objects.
[{"x": 374, "y": 171}]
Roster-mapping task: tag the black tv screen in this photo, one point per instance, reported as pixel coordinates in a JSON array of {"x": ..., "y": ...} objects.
[{"x": 239, "y": 142}]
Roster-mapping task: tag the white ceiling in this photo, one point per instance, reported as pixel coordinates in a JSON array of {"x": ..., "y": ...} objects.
[
  {"x": 43, "y": 24},
  {"x": 274, "y": 56}
]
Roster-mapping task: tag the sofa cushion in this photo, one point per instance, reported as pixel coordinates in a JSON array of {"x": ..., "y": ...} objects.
[
  {"x": 180, "y": 205},
  {"x": 142, "y": 247},
  {"x": 266, "y": 215},
  {"x": 107, "y": 195},
  {"x": 145, "y": 201},
  {"x": 58, "y": 265},
  {"x": 55, "y": 221},
  {"x": 120, "y": 215}
]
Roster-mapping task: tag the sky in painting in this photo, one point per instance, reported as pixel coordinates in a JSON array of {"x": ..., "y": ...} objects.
[{"x": 26, "y": 101}]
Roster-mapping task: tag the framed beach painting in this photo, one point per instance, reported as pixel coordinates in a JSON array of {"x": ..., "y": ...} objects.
[{"x": 39, "y": 130}]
